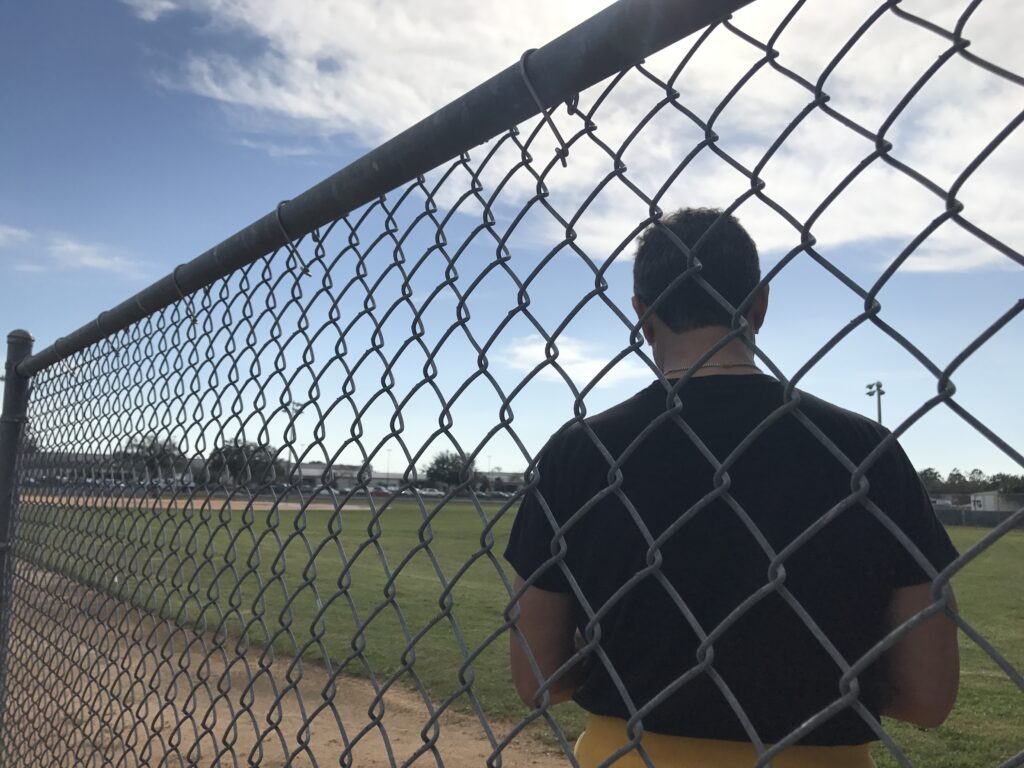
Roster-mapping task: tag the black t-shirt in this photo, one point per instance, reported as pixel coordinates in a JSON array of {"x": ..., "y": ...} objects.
[{"x": 618, "y": 481}]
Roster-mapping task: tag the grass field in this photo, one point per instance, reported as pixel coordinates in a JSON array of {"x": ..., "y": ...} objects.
[{"x": 258, "y": 571}]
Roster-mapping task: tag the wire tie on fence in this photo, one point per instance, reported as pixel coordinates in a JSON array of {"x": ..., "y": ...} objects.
[
  {"x": 572, "y": 105},
  {"x": 563, "y": 152},
  {"x": 181, "y": 295},
  {"x": 288, "y": 238}
]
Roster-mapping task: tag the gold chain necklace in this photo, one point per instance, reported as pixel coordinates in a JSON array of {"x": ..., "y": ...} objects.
[{"x": 710, "y": 365}]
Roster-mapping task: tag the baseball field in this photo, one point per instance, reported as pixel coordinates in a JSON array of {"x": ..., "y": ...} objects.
[{"x": 417, "y": 596}]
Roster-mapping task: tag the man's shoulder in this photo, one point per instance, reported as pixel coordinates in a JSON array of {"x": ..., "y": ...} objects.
[
  {"x": 767, "y": 390},
  {"x": 627, "y": 418},
  {"x": 623, "y": 416},
  {"x": 828, "y": 414},
  {"x": 578, "y": 434},
  {"x": 853, "y": 437}
]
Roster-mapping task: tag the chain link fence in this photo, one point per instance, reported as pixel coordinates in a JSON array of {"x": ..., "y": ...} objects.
[{"x": 223, "y": 546}]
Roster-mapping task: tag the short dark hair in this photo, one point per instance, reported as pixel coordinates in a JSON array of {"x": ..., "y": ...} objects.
[{"x": 728, "y": 262}]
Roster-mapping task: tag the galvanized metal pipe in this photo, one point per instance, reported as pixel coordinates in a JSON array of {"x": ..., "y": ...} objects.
[{"x": 618, "y": 37}]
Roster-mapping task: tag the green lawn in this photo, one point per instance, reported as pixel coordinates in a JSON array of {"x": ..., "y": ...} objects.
[
  {"x": 368, "y": 590},
  {"x": 987, "y": 725}
]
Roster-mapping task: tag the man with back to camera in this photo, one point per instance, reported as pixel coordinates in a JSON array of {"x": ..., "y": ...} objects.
[{"x": 853, "y": 577}]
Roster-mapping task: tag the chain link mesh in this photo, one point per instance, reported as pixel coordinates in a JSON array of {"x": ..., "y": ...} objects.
[{"x": 187, "y": 591}]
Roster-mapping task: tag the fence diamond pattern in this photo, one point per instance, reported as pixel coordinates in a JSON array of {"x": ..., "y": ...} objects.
[{"x": 179, "y": 593}]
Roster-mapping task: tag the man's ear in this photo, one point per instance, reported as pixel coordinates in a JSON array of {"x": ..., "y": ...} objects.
[
  {"x": 759, "y": 308},
  {"x": 647, "y": 326}
]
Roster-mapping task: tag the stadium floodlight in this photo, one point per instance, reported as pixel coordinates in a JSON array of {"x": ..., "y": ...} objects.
[{"x": 874, "y": 389}]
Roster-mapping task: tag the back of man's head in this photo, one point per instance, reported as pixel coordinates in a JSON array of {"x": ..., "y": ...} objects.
[{"x": 728, "y": 259}]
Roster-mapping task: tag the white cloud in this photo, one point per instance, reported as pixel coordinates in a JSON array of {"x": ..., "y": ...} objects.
[
  {"x": 938, "y": 135},
  {"x": 350, "y": 68},
  {"x": 277, "y": 149},
  {"x": 10, "y": 236},
  {"x": 150, "y": 10},
  {"x": 74, "y": 254},
  {"x": 580, "y": 359},
  {"x": 62, "y": 252}
]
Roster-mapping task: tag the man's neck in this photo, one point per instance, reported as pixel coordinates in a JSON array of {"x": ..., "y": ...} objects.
[{"x": 677, "y": 354}]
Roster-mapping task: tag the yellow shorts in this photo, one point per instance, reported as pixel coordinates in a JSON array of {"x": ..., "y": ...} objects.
[{"x": 606, "y": 735}]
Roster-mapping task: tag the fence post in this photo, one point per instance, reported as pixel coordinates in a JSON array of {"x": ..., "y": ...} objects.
[{"x": 15, "y": 408}]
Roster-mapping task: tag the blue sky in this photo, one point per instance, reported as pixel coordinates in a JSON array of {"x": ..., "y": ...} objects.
[{"x": 137, "y": 135}]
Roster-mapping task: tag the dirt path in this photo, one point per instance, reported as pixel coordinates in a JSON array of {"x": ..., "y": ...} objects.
[{"x": 89, "y": 676}]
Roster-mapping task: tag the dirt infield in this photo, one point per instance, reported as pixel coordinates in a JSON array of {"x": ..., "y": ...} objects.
[
  {"x": 93, "y": 681},
  {"x": 260, "y": 504}
]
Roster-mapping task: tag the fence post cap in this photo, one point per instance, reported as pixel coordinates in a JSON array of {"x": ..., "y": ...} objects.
[{"x": 20, "y": 334}]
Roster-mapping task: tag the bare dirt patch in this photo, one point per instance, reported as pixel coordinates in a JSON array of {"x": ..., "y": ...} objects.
[{"x": 94, "y": 681}]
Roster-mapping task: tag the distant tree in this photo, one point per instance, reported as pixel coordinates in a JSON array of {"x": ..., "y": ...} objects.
[
  {"x": 932, "y": 480},
  {"x": 449, "y": 468},
  {"x": 246, "y": 463},
  {"x": 956, "y": 482},
  {"x": 485, "y": 484},
  {"x": 153, "y": 457},
  {"x": 1001, "y": 481},
  {"x": 974, "y": 482}
]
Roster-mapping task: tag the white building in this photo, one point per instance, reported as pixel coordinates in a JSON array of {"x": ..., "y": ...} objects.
[
  {"x": 997, "y": 501},
  {"x": 315, "y": 473}
]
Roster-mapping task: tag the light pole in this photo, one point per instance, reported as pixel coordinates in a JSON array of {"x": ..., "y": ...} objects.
[
  {"x": 875, "y": 390},
  {"x": 387, "y": 468}
]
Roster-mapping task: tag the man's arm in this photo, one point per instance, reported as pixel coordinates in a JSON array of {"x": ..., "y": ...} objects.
[
  {"x": 924, "y": 665},
  {"x": 546, "y": 633}
]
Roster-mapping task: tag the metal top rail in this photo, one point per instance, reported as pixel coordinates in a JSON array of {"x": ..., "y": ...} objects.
[{"x": 614, "y": 39}]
